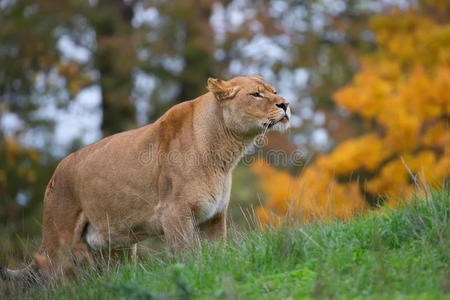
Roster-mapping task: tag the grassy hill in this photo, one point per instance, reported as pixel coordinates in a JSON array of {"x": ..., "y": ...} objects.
[{"x": 389, "y": 254}]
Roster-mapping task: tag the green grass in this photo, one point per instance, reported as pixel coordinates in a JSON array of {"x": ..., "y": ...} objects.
[{"x": 400, "y": 254}]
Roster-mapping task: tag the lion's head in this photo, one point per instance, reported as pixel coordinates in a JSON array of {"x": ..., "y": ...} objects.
[{"x": 250, "y": 105}]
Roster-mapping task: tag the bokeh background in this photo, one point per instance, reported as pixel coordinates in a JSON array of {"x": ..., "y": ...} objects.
[{"x": 368, "y": 81}]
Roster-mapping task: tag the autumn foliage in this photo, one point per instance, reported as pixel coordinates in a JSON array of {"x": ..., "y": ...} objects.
[{"x": 402, "y": 94}]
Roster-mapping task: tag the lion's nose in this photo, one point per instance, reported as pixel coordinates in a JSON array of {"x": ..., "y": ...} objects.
[{"x": 283, "y": 105}]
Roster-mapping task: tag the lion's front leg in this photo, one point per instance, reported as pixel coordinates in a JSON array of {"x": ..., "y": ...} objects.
[
  {"x": 178, "y": 228},
  {"x": 216, "y": 228}
]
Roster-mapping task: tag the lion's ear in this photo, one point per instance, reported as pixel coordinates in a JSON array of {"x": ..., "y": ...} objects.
[{"x": 221, "y": 89}]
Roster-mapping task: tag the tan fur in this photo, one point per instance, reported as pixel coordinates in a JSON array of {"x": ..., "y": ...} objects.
[{"x": 166, "y": 178}]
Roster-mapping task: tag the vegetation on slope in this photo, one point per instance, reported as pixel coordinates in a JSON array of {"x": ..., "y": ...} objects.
[{"x": 387, "y": 254}]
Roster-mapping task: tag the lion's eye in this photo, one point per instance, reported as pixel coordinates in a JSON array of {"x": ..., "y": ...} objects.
[
  {"x": 275, "y": 92},
  {"x": 257, "y": 95}
]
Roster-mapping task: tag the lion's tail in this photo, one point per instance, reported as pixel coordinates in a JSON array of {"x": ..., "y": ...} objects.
[{"x": 28, "y": 274}]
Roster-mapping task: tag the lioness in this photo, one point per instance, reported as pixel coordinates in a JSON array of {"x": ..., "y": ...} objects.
[{"x": 168, "y": 177}]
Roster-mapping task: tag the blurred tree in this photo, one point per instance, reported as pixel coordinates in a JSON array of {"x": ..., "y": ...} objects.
[
  {"x": 23, "y": 179},
  {"x": 31, "y": 31},
  {"x": 180, "y": 49},
  {"x": 28, "y": 48},
  {"x": 29, "y": 57},
  {"x": 115, "y": 59},
  {"x": 402, "y": 94}
]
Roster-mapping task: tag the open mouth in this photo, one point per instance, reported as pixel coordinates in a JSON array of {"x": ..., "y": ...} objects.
[{"x": 283, "y": 119}]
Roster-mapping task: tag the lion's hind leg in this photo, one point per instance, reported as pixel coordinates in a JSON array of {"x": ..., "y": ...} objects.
[
  {"x": 64, "y": 247},
  {"x": 63, "y": 228},
  {"x": 54, "y": 258}
]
